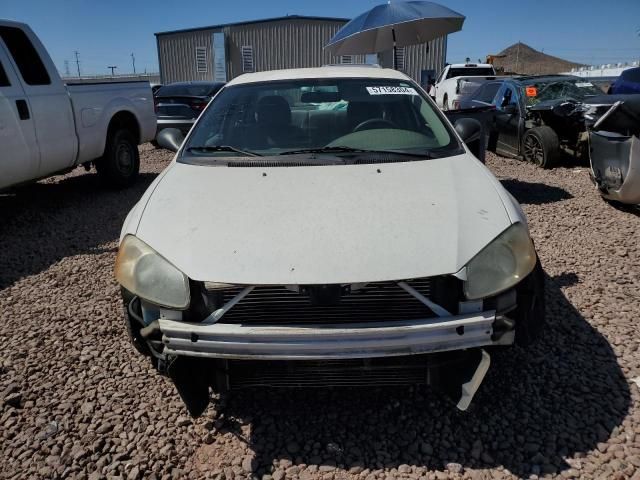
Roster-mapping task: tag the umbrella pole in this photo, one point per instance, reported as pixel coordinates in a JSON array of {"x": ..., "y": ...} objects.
[{"x": 393, "y": 34}]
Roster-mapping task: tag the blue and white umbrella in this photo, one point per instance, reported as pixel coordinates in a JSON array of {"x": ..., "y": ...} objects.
[{"x": 393, "y": 25}]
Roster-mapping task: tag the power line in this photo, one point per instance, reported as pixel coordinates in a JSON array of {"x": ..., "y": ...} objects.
[{"x": 77, "y": 62}]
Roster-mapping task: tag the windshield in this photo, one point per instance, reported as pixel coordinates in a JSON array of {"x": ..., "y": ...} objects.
[
  {"x": 575, "y": 88},
  {"x": 471, "y": 72},
  {"x": 278, "y": 118}
]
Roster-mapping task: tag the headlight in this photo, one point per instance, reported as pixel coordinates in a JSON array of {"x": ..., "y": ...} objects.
[
  {"x": 145, "y": 273},
  {"x": 501, "y": 264}
]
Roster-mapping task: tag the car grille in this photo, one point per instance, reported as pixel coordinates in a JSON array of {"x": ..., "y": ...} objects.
[
  {"x": 405, "y": 370},
  {"x": 245, "y": 374},
  {"x": 377, "y": 302}
]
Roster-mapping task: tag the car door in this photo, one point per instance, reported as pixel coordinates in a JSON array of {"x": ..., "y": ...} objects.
[
  {"x": 630, "y": 81},
  {"x": 48, "y": 100},
  {"x": 508, "y": 120},
  {"x": 20, "y": 153}
]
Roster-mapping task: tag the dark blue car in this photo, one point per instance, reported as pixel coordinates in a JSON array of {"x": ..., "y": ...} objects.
[{"x": 627, "y": 82}]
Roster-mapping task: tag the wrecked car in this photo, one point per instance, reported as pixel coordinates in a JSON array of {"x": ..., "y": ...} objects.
[
  {"x": 291, "y": 245},
  {"x": 615, "y": 151},
  {"x": 539, "y": 117}
]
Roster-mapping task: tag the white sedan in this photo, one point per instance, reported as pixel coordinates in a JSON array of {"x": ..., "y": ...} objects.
[{"x": 326, "y": 226}]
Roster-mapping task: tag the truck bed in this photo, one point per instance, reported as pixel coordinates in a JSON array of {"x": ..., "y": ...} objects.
[{"x": 95, "y": 103}]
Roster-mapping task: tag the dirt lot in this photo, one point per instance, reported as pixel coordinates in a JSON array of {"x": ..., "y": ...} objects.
[{"x": 76, "y": 401}]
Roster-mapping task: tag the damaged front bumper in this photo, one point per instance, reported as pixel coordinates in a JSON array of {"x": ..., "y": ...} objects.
[{"x": 319, "y": 342}]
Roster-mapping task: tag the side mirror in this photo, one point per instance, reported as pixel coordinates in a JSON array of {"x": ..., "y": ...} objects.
[
  {"x": 469, "y": 129},
  {"x": 472, "y": 133},
  {"x": 170, "y": 138}
]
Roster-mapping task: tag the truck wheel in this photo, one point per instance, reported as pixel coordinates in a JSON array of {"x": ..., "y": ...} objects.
[
  {"x": 120, "y": 164},
  {"x": 541, "y": 146},
  {"x": 445, "y": 103}
]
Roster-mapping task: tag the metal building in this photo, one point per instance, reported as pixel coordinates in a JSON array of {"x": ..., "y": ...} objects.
[{"x": 222, "y": 52}]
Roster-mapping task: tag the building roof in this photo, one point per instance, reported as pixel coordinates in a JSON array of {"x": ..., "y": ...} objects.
[
  {"x": 359, "y": 71},
  {"x": 251, "y": 22}
]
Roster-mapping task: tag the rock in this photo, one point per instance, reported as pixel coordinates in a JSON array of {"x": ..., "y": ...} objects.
[
  {"x": 426, "y": 449},
  {"x": 183, "y": 421},
  {"x": 293, "y": 447},
  {"x": 486, "y": 457},
  {"x": 13, "y": 400},
  {"x": 248, "y": 464},
  {"x": 104, "y": 428},
  {"x": 134, "y": 473},
  {"x": 326, "y": 468}
]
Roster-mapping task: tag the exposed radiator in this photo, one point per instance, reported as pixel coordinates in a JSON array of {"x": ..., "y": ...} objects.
[{"x": 377, "y": 302}]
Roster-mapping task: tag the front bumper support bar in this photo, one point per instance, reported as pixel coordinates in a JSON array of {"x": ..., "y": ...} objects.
[{"x": 318, "y": 342}]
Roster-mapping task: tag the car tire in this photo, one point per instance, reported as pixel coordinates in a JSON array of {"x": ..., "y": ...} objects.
[
  {"x": 445, "y": 103},
  {"x": 530, "y": 312},
  {"x": 541, "y": 146},
  {"x": 119, "y": 166}
]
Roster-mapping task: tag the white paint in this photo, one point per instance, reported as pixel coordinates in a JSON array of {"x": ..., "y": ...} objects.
[{"x": 323, "y": 224}]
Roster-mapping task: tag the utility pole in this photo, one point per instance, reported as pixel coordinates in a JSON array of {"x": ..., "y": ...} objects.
[
  {"x": 66, "y": 68},
  {"x": 112, "y": 67},
  {"x": 77, "y": 62},
  {"x": 133, "y": 60},
  {"x": 517, "y": 56}
]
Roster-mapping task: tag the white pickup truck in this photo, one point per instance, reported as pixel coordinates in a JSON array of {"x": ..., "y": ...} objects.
[
  {"x": 457, "y": 80},
  {"x": 47, "y": 127}
]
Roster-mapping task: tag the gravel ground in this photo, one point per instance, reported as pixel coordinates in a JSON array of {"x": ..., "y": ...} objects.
[{"x": 76, "y": 401}]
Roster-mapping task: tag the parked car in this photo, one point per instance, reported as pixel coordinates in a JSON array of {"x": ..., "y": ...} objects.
[
  {"x": 179, "y": 104},
  {"x": 457, "y": 80},
  {"x": 538, "y": 117},
  {"x": 627, "y": 82},
  {"x": 287, "y": 245},
  {"x": 615, "y": 152},
  {"x": 48, "y": 127}
]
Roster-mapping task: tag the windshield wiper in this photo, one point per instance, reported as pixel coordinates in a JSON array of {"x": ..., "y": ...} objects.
[
  {"x": 325, "y": 150},
  {"x": 354, "y": 150},
  {"x": 221, "y": 148}
]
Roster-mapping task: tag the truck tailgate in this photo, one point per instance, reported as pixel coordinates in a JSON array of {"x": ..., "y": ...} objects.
[{"x": 468, "y": 85}]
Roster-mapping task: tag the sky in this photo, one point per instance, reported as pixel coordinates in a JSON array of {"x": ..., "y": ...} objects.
[{"x": 107, "y": 32}]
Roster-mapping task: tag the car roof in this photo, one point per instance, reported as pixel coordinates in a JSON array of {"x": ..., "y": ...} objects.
[
  {"x": 471, "y": 65},
  {"x": 353, "y": 71}
]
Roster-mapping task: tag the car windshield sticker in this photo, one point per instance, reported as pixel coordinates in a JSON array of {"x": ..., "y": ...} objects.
[
  {"x": 531, "y": 91},
  {"x": 391, "y": 91},
  {"x": 584, "y": 84}
]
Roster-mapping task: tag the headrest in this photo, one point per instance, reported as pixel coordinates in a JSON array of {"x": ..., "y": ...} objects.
[{"x": 273, "y": 110}]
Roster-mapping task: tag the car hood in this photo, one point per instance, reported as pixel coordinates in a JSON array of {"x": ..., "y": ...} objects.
[{"x": 324, "y": 224}]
